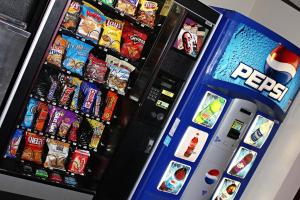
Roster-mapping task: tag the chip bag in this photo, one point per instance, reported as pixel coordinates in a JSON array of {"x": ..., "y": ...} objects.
[
  {"x": 57, "y": 51},
  {"x": 78, "y": 161},
  {"x": 91, "y": 20},
  {"x": 127, "y": 6},
  {"x": 96, "y": 69},
  {"x": 14, "y": 143},
  {"x": 147, "y": 12},
  {"x": 119, "y": 75},
  {"x": 72, "y": 17},
  {"x": 76, "y": 56},
  {"x": 33, "y": 149},
  {"x": 111, "y": 36},
  {"x": 133, "y": 42},
  {"x": 57, "y": 154}
]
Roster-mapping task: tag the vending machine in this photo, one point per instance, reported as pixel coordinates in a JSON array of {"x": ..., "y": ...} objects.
[
  {"x": 227, "y": 117},
  {"x": 99, "y": 82}
]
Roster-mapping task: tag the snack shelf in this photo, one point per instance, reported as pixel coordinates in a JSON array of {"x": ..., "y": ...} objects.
[
  {"x": 102, "y": 48},
  {"x": 68, "y": 108},
  {"x": 102, "y": 6},
  {"x": 101, "y": 85},
  {"x": 56, "y": 137}
]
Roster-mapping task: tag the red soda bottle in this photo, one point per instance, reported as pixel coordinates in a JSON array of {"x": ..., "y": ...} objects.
[{"x": 192, "y": 146}]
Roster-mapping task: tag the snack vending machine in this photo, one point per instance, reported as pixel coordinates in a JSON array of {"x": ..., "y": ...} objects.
[
  {"x": 227, "y": 117},
  {"x": 99, "y": 82}
]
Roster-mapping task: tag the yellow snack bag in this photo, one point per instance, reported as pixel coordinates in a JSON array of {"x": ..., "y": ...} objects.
[{"x": 111, "y": 36}]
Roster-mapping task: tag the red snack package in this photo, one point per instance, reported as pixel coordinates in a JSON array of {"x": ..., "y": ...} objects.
[
  {"x": 78, "y": 161},
  {"x": 66, "y": 96},
  {"x": 133, "y": 42},
  {"x": 33, "y": 148},
  {"x": 111, "y": 100},
  {"x": 74, "y": 129},
  {"x": 42, "y": 116},
  {"x": 96, "y": 69}
]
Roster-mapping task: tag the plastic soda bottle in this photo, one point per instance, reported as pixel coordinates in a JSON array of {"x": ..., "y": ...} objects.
[
  {"x": 242, "y": 164},
  {"x": 261, "y": 131},
  {"x": 192, "y": 146}
]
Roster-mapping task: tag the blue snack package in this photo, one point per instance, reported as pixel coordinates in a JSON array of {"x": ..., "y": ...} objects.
[
  {"x": 30, "y": 113},
  {"x": 14, "y": 144},
  {"x": 90, "y": 92},
  {"x": 76, "y": 56}
]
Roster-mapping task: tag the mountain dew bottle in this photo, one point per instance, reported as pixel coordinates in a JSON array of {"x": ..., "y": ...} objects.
[{"x": 209, "y": 111}]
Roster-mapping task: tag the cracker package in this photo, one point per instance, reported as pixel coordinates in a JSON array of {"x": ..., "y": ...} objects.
[
  {"x": 133, "y": 42},
  {"x": 111, "y": 36},
  {"x": 76, "y": 56},
  {"x": 127, "y": 6},
  {"x": 72, "y": 17},
  {"x": 91, "y": 20},
  {"x": 33, "y": 149},
  {"x": 57, "y": 154},
  {"x": 147, "y": 12}
]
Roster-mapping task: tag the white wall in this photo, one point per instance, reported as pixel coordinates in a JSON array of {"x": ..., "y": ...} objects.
[
  {"x": 277, "y": 177},
  {"x": 243, "y": 6},
  {"x": 278, "y": 16}
]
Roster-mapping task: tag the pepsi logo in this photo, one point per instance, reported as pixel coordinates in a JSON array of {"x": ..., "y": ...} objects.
[
  {"x": 212, "y": 176},
  {"x": 282, "y": 64},
  {"x": 281, "y": 67}
]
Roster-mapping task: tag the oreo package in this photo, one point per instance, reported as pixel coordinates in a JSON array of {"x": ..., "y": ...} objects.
[
  {"x": 30, "y": 114},
  {"x": 14, "y": 144},
  {"x": 76, "y": 56}
]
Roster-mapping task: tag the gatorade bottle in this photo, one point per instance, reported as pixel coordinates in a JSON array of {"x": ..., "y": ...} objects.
[
  {"x": 204, "y": 115},
  {"x": 242, "y": 164}
]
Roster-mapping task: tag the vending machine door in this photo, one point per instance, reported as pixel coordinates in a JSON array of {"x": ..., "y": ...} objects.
[{"x": 12, "y": 41}]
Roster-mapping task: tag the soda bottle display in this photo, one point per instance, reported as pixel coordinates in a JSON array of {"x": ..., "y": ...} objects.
[
  {"x": 227, "y": 193},
  {"x": 261, "y": 131},
  {"x": 208, "y": 112},
  {"x": 174, "y": 181},
  {"x": 190, "y": 149},
  {"x": 241, "y": 164}
]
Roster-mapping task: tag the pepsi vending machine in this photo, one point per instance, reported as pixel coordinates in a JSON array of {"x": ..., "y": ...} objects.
[{"x": 230, "y": 112}]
